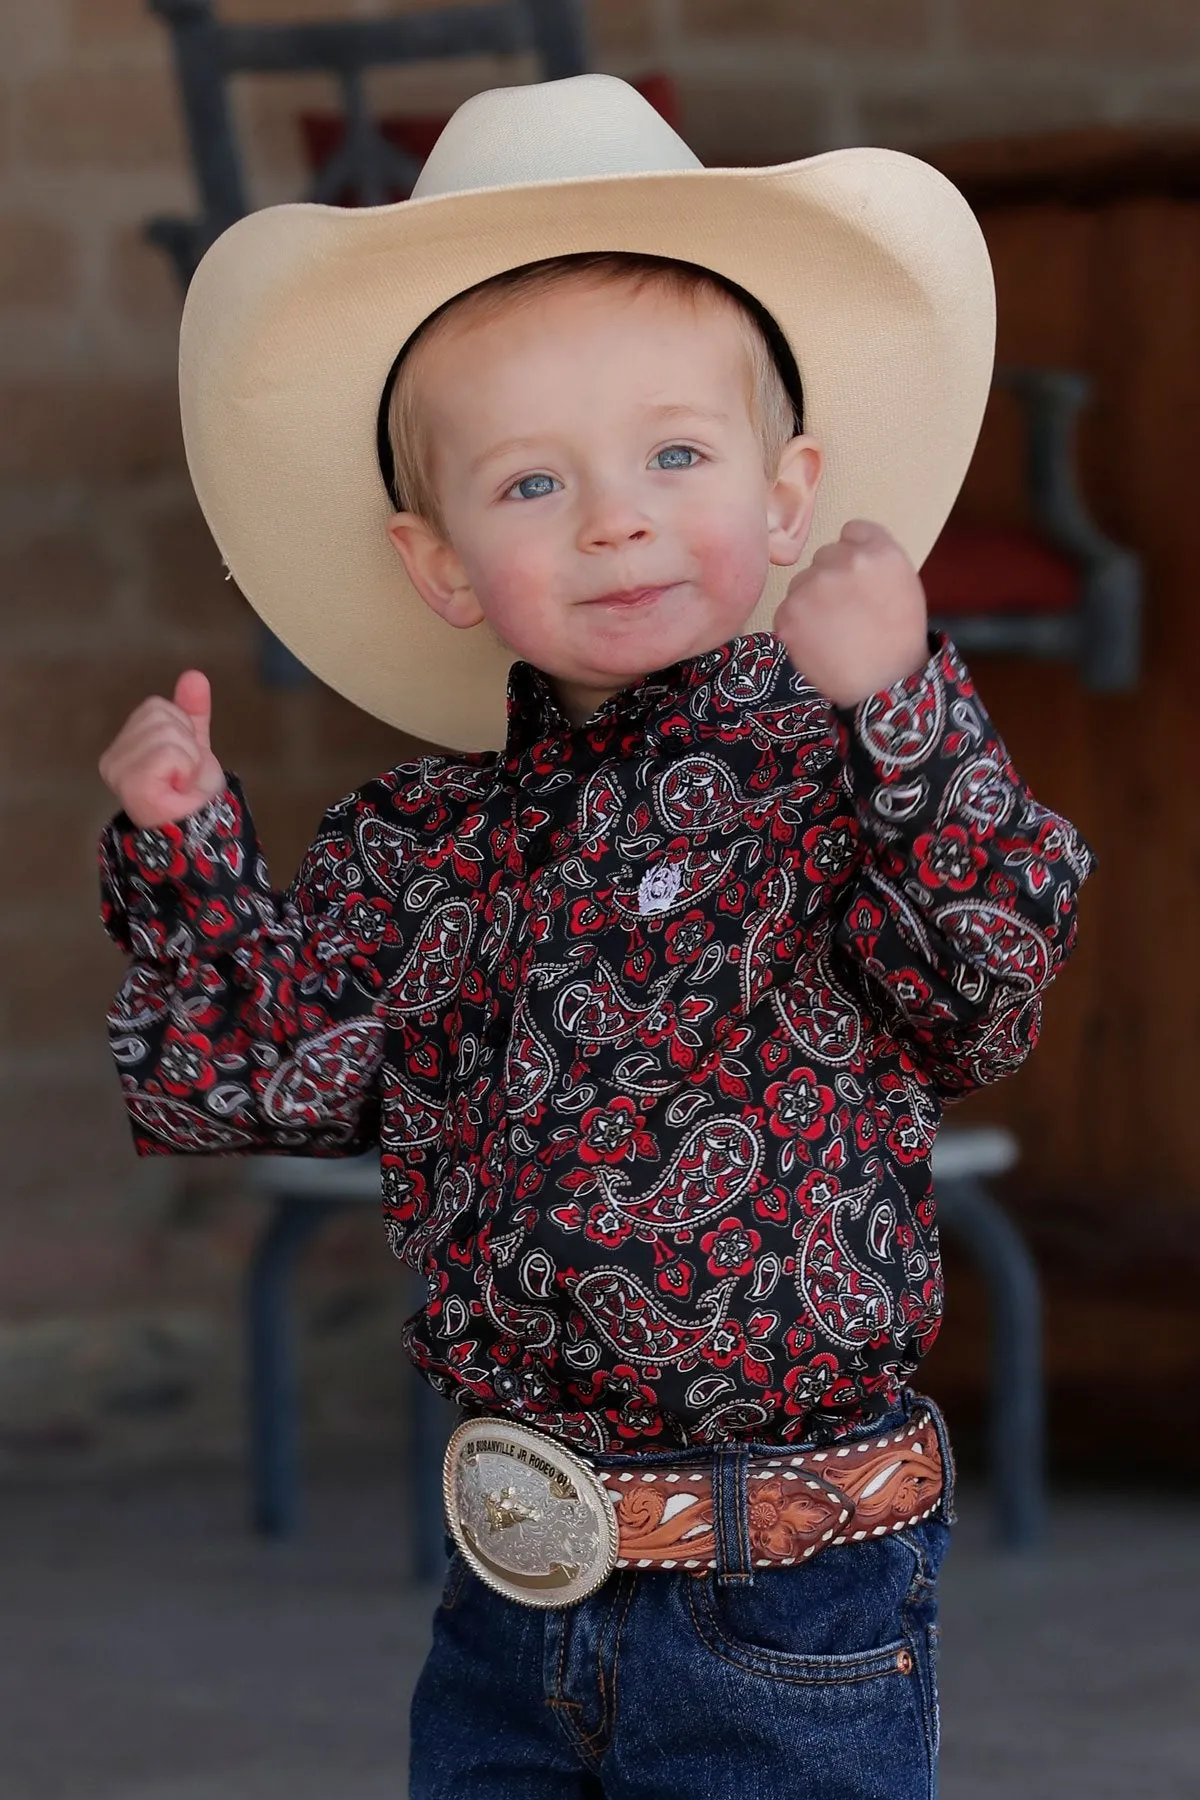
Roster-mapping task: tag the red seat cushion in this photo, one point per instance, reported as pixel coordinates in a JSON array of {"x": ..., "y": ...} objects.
[{"x": 985, "y": 569}]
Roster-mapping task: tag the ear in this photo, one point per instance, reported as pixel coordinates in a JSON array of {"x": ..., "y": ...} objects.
[
  {"x": 435, "y": 571},
  {"x": 792, "y": 499}
]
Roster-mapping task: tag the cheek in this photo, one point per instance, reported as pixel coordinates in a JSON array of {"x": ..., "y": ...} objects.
[
  {"x": 511, "y": 576},
  {"x": 731, "y": 549}
]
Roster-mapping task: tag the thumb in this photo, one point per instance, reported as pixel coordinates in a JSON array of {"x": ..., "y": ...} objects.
[{"x": 193, "y": 695}]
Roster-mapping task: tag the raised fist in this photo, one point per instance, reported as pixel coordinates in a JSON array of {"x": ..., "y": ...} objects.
[
  {"x": 855, "y": 620},
  {"x": 159, "y": 765}
]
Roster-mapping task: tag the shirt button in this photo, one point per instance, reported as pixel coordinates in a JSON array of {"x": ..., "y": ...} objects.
[{"x": 495, "y": 1033}]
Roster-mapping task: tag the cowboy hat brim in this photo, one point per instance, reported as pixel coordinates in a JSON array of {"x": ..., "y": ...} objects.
[{"x": 869, "y": 260}]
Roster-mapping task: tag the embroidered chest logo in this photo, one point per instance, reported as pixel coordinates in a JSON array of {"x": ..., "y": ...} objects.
[{"x": 659, "y": 887}]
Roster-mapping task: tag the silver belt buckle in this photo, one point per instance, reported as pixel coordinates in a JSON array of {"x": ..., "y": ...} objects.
[{"x": 532, "y": 1519}]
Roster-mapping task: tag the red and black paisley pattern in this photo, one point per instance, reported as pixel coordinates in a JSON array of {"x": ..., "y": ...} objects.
[{"x": 653, "y": 1021}]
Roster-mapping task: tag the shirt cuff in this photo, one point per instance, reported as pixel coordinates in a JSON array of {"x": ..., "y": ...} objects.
[
  {"x": 893, "y": 741},
  {"x": 191, "y": 871}
]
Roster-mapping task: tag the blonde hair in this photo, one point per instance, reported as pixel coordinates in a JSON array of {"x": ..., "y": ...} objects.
[{"x": 773, "y": 411}]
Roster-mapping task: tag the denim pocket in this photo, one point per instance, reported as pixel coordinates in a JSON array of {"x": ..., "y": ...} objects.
[{"x": 840, "y": 1618}]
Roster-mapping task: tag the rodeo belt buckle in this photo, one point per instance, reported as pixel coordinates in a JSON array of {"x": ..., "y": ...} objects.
[{"x": 532, "y": 1519}]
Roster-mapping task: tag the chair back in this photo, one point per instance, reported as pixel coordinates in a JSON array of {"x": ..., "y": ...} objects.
[{"x": 208, "y": 53}]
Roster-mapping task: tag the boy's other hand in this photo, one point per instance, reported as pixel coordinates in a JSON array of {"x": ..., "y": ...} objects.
[
  {"x": 160, "y": 765},
  {"x": 855, "y": 620}
]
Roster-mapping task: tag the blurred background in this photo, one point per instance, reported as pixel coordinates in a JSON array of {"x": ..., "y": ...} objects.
[{"x": 1073, "y": 126}]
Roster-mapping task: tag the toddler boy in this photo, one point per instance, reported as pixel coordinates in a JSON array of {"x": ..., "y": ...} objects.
[{"x": 653, "y": 1009}]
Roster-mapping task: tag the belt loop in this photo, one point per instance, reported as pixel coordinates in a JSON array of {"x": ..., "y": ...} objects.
[
  {"x": 946, "y": 1502},
  {"x": 731, "y": 1517}
]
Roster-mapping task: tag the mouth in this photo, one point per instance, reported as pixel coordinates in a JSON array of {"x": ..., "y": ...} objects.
[{"x": 631, "y": 599}]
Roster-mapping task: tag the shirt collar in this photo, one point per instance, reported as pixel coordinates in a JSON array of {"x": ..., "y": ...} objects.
[{"x": 723, "y": 684}]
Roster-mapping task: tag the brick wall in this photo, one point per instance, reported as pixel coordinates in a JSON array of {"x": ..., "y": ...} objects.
[{"x": 118, "y": 1282}]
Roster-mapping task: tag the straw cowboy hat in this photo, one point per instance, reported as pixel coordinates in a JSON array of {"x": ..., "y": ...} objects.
[{"x": 869, "y": 261}]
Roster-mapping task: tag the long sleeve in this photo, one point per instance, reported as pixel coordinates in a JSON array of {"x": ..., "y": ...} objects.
[
  {"x": 965, "y": 904},
  {"x": 247, "y": 1019}
]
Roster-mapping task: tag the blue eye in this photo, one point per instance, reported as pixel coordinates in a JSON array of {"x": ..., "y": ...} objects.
[
  {"x": 677, "y": 456},
  {"x": 535, "y": 487}
]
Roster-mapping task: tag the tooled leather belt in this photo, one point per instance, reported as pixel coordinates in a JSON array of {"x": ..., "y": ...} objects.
[
  {"x": 796, "y": 1504},
  {"x": 542, "y": 1526}
]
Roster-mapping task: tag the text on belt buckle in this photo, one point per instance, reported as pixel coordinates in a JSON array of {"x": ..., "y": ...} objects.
[{"x": 531, "y": 1519}]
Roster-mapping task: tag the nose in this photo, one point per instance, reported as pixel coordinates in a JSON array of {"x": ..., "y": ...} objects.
[{"x": 612, "y": 519}]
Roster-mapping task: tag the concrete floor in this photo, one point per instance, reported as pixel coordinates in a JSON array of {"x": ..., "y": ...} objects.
[{"x": 150, "y": 1649}]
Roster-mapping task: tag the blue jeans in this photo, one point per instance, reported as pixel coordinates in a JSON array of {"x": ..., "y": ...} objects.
[{"x": 808, "y": 1683}]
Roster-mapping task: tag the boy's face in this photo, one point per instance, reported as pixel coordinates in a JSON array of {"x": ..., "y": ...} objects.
[{"x": 606, "y": 507}]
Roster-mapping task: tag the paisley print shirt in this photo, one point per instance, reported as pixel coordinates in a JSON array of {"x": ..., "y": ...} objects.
[{"x": 653, "y": 1021}]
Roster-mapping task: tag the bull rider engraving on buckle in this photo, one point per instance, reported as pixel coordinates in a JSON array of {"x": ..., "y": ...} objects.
[{"x": 531, "y": 1519}]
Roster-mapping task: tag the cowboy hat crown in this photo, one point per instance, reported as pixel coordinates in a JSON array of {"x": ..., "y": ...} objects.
[{"x": 585, "y": 126}]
